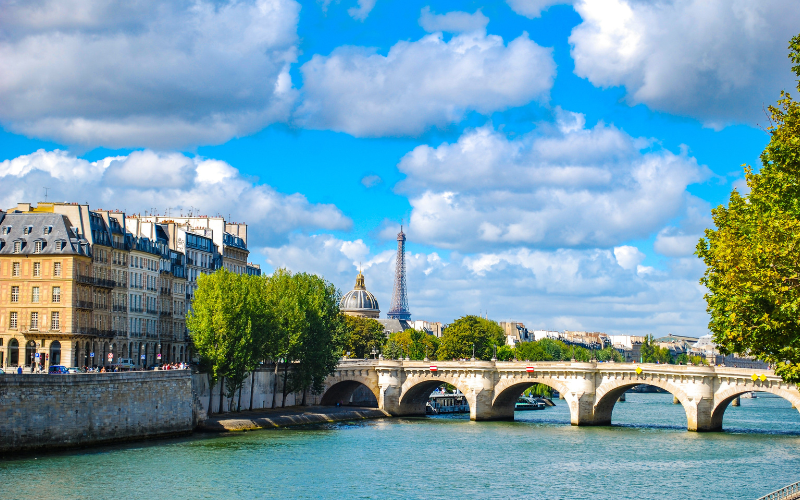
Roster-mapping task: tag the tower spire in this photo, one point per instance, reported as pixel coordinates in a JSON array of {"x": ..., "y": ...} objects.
[{"x": 399, "y": 306}]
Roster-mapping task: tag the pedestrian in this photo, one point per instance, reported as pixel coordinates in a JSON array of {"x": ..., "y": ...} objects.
[
  {"x": 32, "y": 366},
  {"x": 19, "y": 370}
]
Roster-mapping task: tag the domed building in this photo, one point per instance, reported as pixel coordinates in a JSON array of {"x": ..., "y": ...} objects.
[{"x": 359, "y": 302}]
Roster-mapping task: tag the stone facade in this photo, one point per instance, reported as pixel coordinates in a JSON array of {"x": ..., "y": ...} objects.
[{"x": 42, "y": 412}]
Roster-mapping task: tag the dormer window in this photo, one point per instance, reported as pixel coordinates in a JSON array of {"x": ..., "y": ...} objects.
[
  {"x": 47, "y": 229},
  {"x": 60, "y": 244},
  {"x": 27, "y": 230},
  {"x": 6, "y": 229},
  {"x": 17, "y": 246},
  {"x": 37, "y": 246}
]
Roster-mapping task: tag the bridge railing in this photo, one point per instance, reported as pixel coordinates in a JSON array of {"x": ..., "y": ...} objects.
[{"x": 786, "y": 493}]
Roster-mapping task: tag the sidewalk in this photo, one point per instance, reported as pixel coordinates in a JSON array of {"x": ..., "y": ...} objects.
[{"x": 285, "y": 417}]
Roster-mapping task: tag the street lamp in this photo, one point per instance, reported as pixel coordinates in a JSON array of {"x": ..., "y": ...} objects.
[
  {"x": 494, "y": 358},
  {"x": 374, "y": 352},
  {"x": 473, "y": 352}
]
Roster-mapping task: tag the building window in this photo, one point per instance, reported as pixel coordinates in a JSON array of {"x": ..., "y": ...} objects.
[
  {"x": 35, "y": 294},
  {"x": 57, "y": 269},
  {"x": 26, "y": 230},
  {"x": 37, "y": 269},
  {"x": 37, "y": 247},
  {"x": 56, "y": 294},
  {"x": 34, "y": 321},
  {"x": 17, "y": 246},
  {"x": 12, "y": 320},
  {"x": 55, "y": 321},
  {"x": 6, "y": 229},
  {"x": 14, "y": 294}
]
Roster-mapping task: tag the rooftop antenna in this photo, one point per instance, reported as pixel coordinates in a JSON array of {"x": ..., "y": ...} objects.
[{"x": 45, "y": 194}]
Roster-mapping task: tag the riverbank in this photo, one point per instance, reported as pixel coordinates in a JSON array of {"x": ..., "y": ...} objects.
[{"x": 286, "y": 417}]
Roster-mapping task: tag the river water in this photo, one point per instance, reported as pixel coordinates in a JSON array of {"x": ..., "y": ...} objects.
[{"x": 646, "y": 454}]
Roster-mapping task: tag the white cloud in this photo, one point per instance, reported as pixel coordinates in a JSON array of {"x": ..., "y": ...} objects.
[
  {"x": 148, "y": 73},
  {"x": 544, "y": 289},
  {"x": 361, "y": 12},
  {"x": 533, "y": 8},
  {"x": 720, "y": 61},
  {"x": 452, "y": 22},
  {"x": 628, "y": 257},
  {"x": 421, "y": 84},
  {"x": 371, "y": 180},
  {"x": 563, "y": 186},
  {"x": 145, "y": 180}
]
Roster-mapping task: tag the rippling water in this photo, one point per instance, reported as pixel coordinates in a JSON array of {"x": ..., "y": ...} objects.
[{"x": 646, "y": 454}]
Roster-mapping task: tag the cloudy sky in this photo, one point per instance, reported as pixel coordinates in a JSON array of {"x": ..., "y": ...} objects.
[{"x": 554, "y": 162}]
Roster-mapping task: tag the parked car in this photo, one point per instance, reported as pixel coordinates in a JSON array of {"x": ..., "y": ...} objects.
[
  {"x": 58, "y": 370},
  {"x": 75, "y": 369}
]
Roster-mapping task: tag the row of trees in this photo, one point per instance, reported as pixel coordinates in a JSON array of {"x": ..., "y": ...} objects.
[
  {"x": 462, "y": 338},
  {"x": 238, "y": 322}
]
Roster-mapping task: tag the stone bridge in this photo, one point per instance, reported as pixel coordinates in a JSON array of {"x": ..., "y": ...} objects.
[{"x": 590, "y": 389}]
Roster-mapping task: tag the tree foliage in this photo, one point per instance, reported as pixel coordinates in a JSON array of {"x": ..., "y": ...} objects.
[
  {"x": 230, "y": 326},
  {"x": 361, "y": 335},
  {"x": 556, "y": 350},
  {"x": 458, "y": 338},
  {"x": 753, "y": 254},
  {"x": 238, "y": 321},
  {"x": 415, "y": 344},
  {"x": 652, "y": 353}
]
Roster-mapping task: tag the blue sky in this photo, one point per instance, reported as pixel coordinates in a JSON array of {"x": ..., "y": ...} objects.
[{"x": 554, "y": 162}]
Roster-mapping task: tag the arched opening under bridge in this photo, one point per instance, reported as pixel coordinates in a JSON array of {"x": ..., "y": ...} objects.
[
  {"x": 415, "y": 397},
  {"x": 668, "y": 407},
  {"x": 349, "y": 393},
  {"x": 507, "y": 395},
  {"x": 753, "y": 402}
]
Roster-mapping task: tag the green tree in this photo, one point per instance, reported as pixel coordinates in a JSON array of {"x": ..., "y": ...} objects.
[
  {"x": 361, "y": 335},
  {"x": 415, "y": 344},
  {"x": 317, "y": 346},
  {"x": 609, "y": 354},
  {"x": 505, "y": 353},
  {"x": 459, "y": 337},
  {"x": 229, "y": 327},
  {"x": 753, "y": 256},
  {"x": 653, "y": 353},
  {"x": 532, "y": 351}
]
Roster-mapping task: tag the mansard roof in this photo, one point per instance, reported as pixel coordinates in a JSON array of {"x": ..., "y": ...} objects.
[{"x": 52, "y": 230}]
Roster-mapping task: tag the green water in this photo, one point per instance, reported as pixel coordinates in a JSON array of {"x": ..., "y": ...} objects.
[{"x": 646, "y": 454}]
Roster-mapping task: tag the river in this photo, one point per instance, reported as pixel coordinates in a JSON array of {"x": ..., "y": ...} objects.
[{"x": 646, "y": 454}]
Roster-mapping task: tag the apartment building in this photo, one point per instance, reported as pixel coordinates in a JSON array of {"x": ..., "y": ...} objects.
[{"x": 86, "y": 287}]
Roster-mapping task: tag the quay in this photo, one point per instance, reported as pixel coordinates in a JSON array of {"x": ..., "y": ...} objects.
[{"x": 286, "y": 417}]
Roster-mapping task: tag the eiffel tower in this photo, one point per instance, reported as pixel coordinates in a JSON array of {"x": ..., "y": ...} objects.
[{"x": 399, "y": 307}]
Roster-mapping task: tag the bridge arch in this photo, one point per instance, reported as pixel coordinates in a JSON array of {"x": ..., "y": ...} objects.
[
  {"x": 417, "y": 389},
  {"x": 609, "y": 393},
  {"x": 508, "y": 391},
  {"x": 724, "y": 398},
  {"x": 340, "y": 386}
]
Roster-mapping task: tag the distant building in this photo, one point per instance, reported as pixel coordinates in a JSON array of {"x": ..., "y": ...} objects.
[
  {"x": 515, "y": 332},
  {"x": 360, "y": 302}
]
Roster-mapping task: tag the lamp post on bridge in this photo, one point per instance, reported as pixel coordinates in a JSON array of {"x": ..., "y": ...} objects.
[{"x": 473, "y": 352}]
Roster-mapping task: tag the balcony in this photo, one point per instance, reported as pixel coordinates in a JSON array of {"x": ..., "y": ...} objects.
[
  {"x": 94, "y": 332},
  {"x": 165, "y": 313},
  {"x": 134, "y": 309},
  {"x": 165, "y": 291},
  {"x": 84, "y": 304},
  {"x": 104, "y": 283},
  {"x": 86, "y": 280},
  {"x": 119, "y": 309},
  {"x": 100, "y": 307},
  {"x": 152, "y": 311}
]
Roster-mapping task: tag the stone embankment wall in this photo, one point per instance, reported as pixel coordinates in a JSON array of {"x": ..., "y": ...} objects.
[
  {"x": 260, "y": 384},
  {"x": 60, "y": 411}
]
